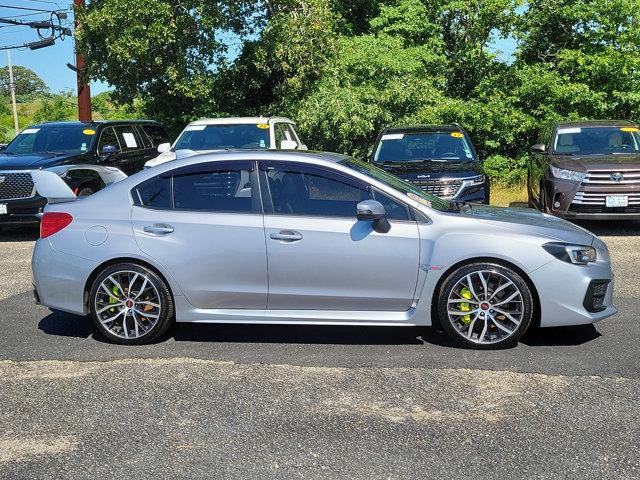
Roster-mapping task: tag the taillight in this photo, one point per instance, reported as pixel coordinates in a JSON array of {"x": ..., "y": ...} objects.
[{"x": 53, "y": 222}]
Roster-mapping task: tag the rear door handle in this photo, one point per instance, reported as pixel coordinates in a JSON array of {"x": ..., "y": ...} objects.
[
  {"x": 286, "y": 236},
  {"x": 159, "y": 229}
]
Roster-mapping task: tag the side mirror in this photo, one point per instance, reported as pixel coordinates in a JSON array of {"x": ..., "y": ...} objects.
[
  {"x": 539, "y": 148},
  {"x": 164, "y": 147},
  {"x": 288, "y": 145},
  {"x": 374, "y": 210},
  {"x": 109, "y": 150}
]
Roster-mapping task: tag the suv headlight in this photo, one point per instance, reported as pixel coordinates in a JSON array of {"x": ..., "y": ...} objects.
[
  {"x": 577, "y": 254},
  {"x": 479, "y": 180},
  {"x": 568, "y": 174}
]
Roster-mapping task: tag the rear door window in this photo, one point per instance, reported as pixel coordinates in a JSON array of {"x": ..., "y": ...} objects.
[
  {"x": 156, "y": 133},
  {"x": 129, "y": 139},
  {"x": 226, "y": 190},
  {"x": 108, "y": 137},
  {"x": 154, "y": 193}
]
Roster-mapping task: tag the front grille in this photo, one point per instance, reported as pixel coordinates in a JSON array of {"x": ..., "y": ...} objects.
[
  {"x": 439, "y": 188},
  {"x": 628, "y": 177},
  {"x": 595, "y": 202},
  {"x": 15, "y": 185}
]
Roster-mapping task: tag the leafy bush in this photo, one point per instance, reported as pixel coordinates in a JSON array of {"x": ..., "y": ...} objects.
[{"x": 506, "y": 171}]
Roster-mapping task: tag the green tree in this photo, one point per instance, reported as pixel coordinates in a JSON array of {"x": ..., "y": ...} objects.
[
  {"x": 58, "y": 107},
  {"x": 26, "y": 81}
]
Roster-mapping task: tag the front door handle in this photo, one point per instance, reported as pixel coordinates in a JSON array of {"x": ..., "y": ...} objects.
[
  {"x": 286, "y": 236},
  {"x": 159, "y": 229}
]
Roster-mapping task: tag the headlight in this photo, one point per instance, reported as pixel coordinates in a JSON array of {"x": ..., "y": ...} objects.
[
  {"x": 479, "y": 180},
  {"x": 568, "y": 174},
  {"x": 577, "y": 254}
]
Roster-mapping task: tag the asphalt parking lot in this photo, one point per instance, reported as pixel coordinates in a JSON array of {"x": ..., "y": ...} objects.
[{"x": 306, "y": 402}]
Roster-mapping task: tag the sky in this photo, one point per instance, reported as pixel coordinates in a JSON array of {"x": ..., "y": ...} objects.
[{"x": 50, "y": 63}]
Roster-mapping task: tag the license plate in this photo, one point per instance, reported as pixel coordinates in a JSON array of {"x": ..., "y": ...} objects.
[
  {"x": 3, "y": 208},
  {"x": 617, "y": 201}
]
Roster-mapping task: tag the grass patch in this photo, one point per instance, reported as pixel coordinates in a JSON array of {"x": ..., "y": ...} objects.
[{"x": 505, "y": 196}]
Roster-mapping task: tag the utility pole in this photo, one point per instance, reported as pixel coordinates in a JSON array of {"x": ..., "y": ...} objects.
[
  {"x": 12, "y": 87},
  {"x": 84, "y": 91}
]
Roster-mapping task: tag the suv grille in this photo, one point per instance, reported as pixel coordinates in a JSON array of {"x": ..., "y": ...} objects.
[
  {"x": 439, "y": 188},
  {"x": 622, "y": 177},
  {"x": 16, "y": 185}
]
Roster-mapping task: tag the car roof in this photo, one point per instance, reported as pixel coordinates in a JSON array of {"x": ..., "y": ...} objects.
[
  {"x": 597, "y": 123},
  {"x": 240, "y": 120},
  {"x": 423, "y": 128},
  {"x": 96, "y": 123}
]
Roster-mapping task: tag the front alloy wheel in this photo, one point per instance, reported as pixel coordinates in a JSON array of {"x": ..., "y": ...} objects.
[
  {"x": 485, "y": 306},
  {"x": 131, "y": 304}
]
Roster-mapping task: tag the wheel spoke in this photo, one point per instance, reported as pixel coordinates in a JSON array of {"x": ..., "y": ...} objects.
[
  {"x": 499, "y": 325},
  {"x": 508, "y": 299},
  {"x": 471, "y": 289},
  {"x": 151, "y": 304},
  {"x": 484, "y": 285},
  {"x": 499, "y": 289},
  {"x": 508, "y": 315},
  {"x": 108, "y": 307},
  {"x": 111, "y": 319},
  {"x": 111, "y": 294},
  {"x": 144, "y": 284},
  {"x": 135, "y": 322},
  {"x": 484, "y": 330},
  {"x": 146, "y": 315},
  {"x": 461, "y": 313},
  {"x": 117, "y": 284},
  {"x": 471, "y": 325}
]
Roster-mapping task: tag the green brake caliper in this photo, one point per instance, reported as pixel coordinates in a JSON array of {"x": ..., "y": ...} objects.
[
  {"x": 465, "y": 307},
  {"x": 114, "y": 299}
]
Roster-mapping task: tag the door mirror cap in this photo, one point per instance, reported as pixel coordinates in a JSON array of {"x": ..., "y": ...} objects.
[
  {"x": 370, "y": 210},
  {"x": 539, "y": 148},
  {"x": 288, "y": 145},
  {"x": 109, "y": 150},
  {"x": 164, "y": 147}
]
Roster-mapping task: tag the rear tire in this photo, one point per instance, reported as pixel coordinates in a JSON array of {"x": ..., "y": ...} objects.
[
  {"x": 485, "y": 306},
  {"x": 131, "y": 304},
  {"x": 85, "y": 192}
]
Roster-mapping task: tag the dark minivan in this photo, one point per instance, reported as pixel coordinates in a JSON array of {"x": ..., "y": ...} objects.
[
  {"x": 587, "y": 170},
  {"x": 70, "y": 149},
  {"x": 439, "y": 159}
]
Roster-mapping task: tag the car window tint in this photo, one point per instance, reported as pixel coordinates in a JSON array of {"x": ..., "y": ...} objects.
[
  {"x": 301, "y": 193},
  {"x": 395, "y": 209},
  {"x": 108, "y": 137},
  {"x": 292, "y": 133},
  {"x": 128, "y": 137},
  {"x": 281, "y": 133},
  {"x": 154, "y": 193},
  {"x": 156, "y": 133},
  {"x": 217, "y": 191}
]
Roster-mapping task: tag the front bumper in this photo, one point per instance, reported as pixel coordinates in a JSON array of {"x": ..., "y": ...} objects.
[
  {"x": 564, "y": 292},
  {"x": 582, "y": 201},
  {"x": 26, "y": 210}
]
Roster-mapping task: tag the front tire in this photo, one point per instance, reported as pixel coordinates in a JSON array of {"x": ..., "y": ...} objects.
[
  {"x": 485, "y": 306},
  {"x": 130, "y": 304}
]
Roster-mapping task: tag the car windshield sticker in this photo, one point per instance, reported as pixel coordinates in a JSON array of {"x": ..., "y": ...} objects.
[
  {"x": 89, "y": 131},
  {"x": 457, "y": 135},
  {"x": 418, "y": 198},
  {"x": 193, "y": 128},
  {"x": 262, "y": 144},
  {"x": 130, "y": 140},
  {"x": 31, "y": 130},
  {"x": 562, "y": 131},
  {"x": 629, "y": 129},
  {"x": 262, "y": 125},
  {"x": 393, "y": 136},
  {"x": 83, "y": 146}
]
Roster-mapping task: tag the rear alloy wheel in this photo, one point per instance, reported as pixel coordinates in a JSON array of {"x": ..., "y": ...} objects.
[
  {"x": 485, "y": 306},
  {"x": 85, "y": 192},
  {"x": 131, "y": 304}
]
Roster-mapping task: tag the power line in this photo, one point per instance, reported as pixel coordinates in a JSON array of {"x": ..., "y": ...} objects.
[{"x": 25, "y": 8}]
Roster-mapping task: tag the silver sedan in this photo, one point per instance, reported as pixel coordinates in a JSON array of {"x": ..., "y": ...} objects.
[{"x": 308, "y": 238}]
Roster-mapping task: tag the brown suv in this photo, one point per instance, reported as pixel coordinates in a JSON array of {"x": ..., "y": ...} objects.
[{"x": 587, "y": 170}]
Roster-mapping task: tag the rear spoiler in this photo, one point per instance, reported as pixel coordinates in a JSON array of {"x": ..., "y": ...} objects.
[{"x": 50, "y": 184}]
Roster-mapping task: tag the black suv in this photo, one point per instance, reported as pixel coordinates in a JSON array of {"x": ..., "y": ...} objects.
[
  {"x": 71, "y": 149},
  {"x": 439, "y": 159}
]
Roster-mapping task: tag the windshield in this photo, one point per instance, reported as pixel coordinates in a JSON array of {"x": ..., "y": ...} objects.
[
  {"x": 214, "y": 137},
  {"x": 597, "y": 141},
  {"x": 411, "y": 147},
  {"x": 399, "y": 184},
  {"x": 60, "y": 139}
]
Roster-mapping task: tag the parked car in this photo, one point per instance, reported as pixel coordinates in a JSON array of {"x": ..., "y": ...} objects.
[
  {"x": 587, "y": 170},
  {"x": 439, "y": 159},
  {"x": 87, "y": 156},
  {"x": 309, "y": 238},
  {"x": 209, "y": 134}
]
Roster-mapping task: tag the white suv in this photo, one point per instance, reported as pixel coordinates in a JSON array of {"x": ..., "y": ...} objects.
[{"x": 208, "y": 134}]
